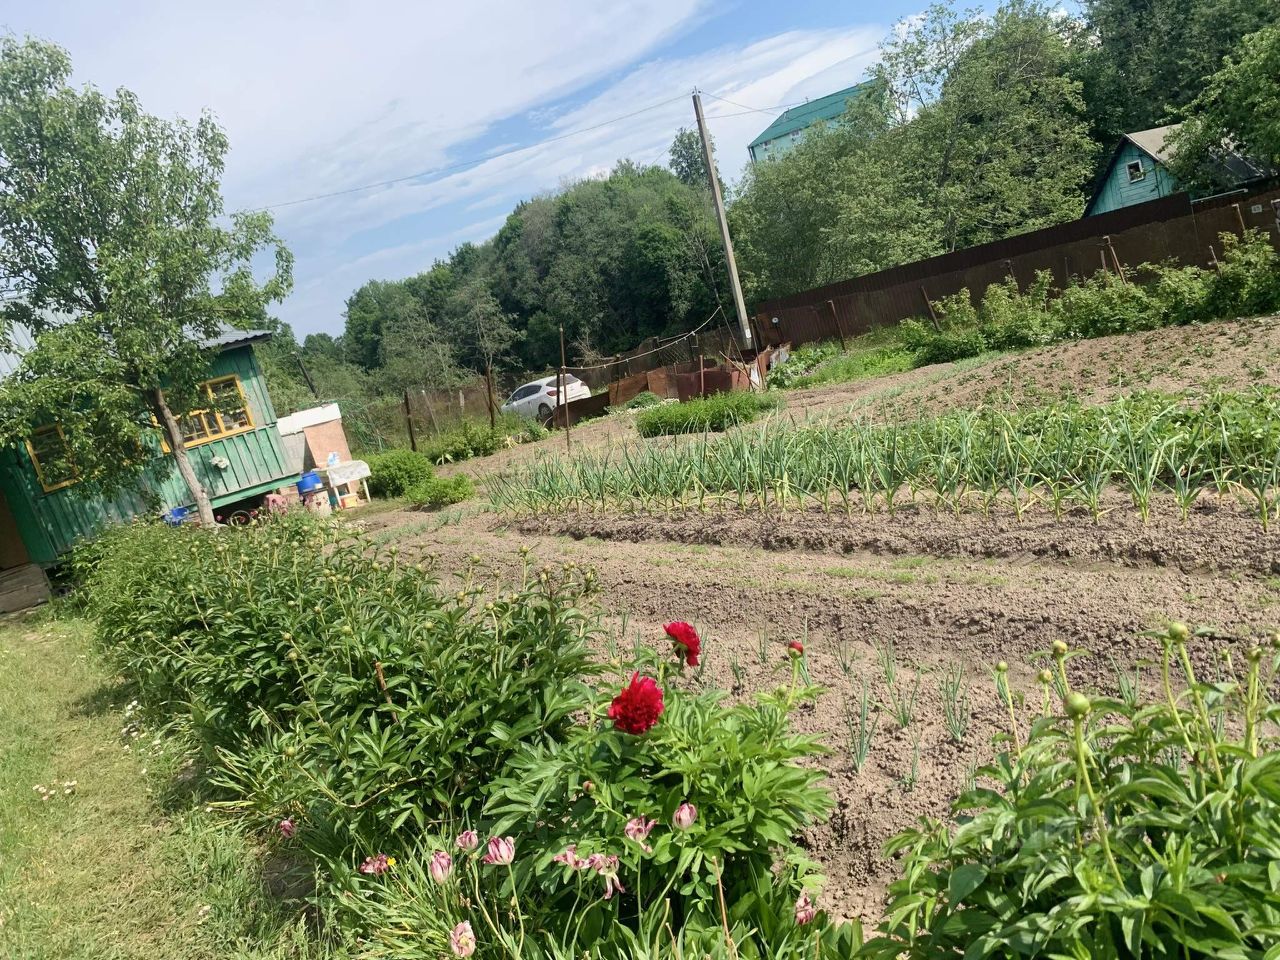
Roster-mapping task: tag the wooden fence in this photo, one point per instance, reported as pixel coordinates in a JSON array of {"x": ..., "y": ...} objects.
[{"x": 1171, "y": 228}]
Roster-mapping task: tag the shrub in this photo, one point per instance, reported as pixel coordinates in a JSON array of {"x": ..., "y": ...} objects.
[
  {"x": 464, "y": 442},
  {"x": 641, "y": 400},
  {"x": 803, "y": 360},
  {"x": 335, "y": 685},
  {"x": 716, "y": 412},
  {"x": 395, "y": 471},
  {"x": 1117, "y": 830},
  {"x": 436, "y": 492}
]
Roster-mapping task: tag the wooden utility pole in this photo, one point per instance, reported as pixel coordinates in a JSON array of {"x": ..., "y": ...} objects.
[
  {"x": 738, "y": 303},
  {"x": 488, "y": 391},
  {"x": 560, "y": 398},
  {"x": 408, "y": 420},
  {"x": 306, "y": 375}
]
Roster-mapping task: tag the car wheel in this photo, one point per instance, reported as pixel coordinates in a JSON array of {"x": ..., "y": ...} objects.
[{"x": 544, "y": 411}]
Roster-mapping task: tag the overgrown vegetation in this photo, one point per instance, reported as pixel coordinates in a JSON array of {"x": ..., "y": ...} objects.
[
  {"x": 713, "y": 413},
  {"x": 370, "y": 718},
  {"x": 1246, "y": 283},
  {"x": 873, "y": 354},
  {"x": 1060, "y": 456},
  {"x": 1113, "y": 830},
  {"x": 436, "y": 492}
]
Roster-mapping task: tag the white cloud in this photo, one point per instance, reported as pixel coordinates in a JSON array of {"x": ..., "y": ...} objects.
[{"x": 322, "y": 96}]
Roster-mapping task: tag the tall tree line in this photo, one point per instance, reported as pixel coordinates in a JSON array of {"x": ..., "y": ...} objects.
[{"x": 974, "y": 127}]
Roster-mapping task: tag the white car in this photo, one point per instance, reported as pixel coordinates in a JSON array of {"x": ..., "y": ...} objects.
[{"x": 539, "y": 398}]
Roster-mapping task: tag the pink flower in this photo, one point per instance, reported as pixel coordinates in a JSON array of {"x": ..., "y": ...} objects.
[
  {"x": 685, "y": 815},
  {"x": 570, "y": 858},
  {"x": 462, "y": 941},
  {"x": 288, "y": 828},
  {"x": 637, "y": 829},
  {"x": 376, "y": 866},
  {"x": 607, "y": 867},
  {"x": 502, "y": 850},
  {"x": 440, "y": 867},
  {"x": 805, "y": 909},
  {"x": 467, "y": 840},
  {"x": 795, "y": 649}
]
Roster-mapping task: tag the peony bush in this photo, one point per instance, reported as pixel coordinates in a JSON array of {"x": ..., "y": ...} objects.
[{"x": 444, "y": 749}]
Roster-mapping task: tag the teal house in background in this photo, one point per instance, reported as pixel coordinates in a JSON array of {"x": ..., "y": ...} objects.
[
  {"x": 781, "y": 136},
  {"x": 234, "y": 445},
  {"x": 1139, "y": 171}
]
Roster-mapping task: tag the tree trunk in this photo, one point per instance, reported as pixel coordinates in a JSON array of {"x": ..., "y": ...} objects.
[
  {"x": 488, "y": 391},
  {"x": 173, "y": 433}
]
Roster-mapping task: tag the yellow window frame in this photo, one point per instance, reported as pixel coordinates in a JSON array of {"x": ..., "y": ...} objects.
[
  {"x": 211, "y": 412},
  {"x": 35, "y": 459}
]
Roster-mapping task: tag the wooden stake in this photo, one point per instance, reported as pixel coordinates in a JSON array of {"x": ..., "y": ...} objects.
[
  {"x": 1240, "y": 218},
  {"x": 702, "y": 377},
  {"x": 560, "y": 397},
  {"x": 932, "y": 313},
  {"x": 831, "y": 305},
  {"x": 488, "y": 391},
  {"x": 408, "y": 420}
]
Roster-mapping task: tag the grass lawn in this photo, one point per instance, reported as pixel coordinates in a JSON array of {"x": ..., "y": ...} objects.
[{"x": 104, "y": 869}]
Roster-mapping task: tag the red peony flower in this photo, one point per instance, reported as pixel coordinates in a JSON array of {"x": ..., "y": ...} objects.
[
  {"x": 796, "y": 648},
  {"x": 637, "y": 708},
  {"x": 685, "y": 636}
]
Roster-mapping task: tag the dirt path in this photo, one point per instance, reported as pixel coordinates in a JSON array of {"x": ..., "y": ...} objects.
[{"x": 941, "y": 590}]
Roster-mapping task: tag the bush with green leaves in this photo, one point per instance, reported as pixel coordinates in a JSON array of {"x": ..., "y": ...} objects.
[
  {"x": 641, "y": 400},
  {"x": 1246, "y": 283},
  {"x": 802, "y": 361},
  {"x": 334, "y": 683},
  {"x": 625, "y": 841},
  {"x": 395, "y": 471},
  {"x": 436, "y": 492},
  {"x": 720, "y": 411},
  {"x": 1113, "y": 830},
  {"x": 367, "y": 716}
]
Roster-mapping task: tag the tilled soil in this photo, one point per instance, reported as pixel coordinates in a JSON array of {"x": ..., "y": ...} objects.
[{"x": 941, "y": 590}]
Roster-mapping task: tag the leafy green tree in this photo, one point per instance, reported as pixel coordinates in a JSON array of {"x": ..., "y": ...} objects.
[
  {"x": 1240, "y": 109},
  {"x": 1145, "y": 60},
  {"x": 487, "y": 329},
  {"x": 686, "y": 160},
  {"x": 119, "y": 262}
]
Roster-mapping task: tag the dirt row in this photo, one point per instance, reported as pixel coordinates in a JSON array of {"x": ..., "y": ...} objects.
[{"x": 939, "y": 590}]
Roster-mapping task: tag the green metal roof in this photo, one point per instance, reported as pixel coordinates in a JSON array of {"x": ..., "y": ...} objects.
[{"x": 829, "y": 107}]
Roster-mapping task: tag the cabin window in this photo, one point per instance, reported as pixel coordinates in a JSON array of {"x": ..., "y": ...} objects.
[
  {"x": 51, "y": 456},
  {"x": 1136, "y": 171},
  {"x": 226, "y": 414}
]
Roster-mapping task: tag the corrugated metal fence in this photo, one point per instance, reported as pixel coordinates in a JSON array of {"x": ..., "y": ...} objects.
[{"x": 1171, "y": 228}]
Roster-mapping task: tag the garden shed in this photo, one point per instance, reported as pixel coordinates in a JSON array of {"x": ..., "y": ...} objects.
[{"x": 235, "y": 449}]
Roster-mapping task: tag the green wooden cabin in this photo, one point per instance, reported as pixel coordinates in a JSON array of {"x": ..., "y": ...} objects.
[
  {"x": 1139, "y": 171},
  {"x": 234, "y": 447}
]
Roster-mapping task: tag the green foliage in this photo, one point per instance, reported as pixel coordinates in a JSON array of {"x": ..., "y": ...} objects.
[
  {"x": 393, "y": 473},
  {"x": 1057, "y": 455},
  {"x": 973, "y": 129},
  {"x": 334, "y": 684},
  {"x": 641, "y": 400},
  {"x": 1116, "y": 831},
  {"x": 467, "y": 440},
  {"x": 801, "y": 363},
  {"x": 720, "y": 411},
  {"x": 1246, "y": 283},
  {"x": 1239, "y": 108},
  {"x": 435, "y": 492},
  {"x": 120, "y": 262}
]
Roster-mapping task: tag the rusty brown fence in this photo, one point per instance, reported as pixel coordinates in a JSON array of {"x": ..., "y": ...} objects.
[{"x": 1172, "y": 228}]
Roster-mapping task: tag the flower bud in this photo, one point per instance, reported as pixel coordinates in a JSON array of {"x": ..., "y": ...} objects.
[
  {"x": 1045, "y": 677},
  {"x": 1077, "y": 705},
  {"x": 1059, "y": 649},
  {"x": 1178, "y": 632},
  {"x": 1002, "y": 667},
  {"x": 685, "y": 816}
]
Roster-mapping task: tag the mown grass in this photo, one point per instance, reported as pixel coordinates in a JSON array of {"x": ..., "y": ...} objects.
[{"x": 111, "y": 870}]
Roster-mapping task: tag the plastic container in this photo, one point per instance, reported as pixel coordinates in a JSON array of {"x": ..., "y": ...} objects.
[
  {"x": 176, "y": 516},
  {"x": 319, "y": 504},
  {"x": 350, "y": 500},
  {"x": 309, "y": 482}
]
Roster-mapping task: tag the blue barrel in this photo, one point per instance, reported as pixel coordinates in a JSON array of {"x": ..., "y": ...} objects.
[
  {"x": 309, "y": 482},
  {"x": 176, "y": 516}
]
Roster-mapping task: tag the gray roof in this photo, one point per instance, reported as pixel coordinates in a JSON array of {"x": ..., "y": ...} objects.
[
  {"x": 23, "y": 341},
  {"x": 1153, "y": 142}
]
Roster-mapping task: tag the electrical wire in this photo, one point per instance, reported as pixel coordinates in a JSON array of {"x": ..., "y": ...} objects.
[{"x": 666, "y": 346}]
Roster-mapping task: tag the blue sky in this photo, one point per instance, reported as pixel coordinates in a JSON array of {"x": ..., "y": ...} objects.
[{"x": 324, "y": 96}]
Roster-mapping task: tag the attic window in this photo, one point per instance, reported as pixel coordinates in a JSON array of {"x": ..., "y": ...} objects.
[{"x": 1135, "y": 171}]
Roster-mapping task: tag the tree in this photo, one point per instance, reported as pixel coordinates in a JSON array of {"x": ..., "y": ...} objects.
[
  {"x": 482, "y": 322},
  {"x": 118, "y": 263},
  {"x": 1239, "y": 109},
  {"x": 418, "y": 353},
  {"x": 1145, "y": 60}
]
